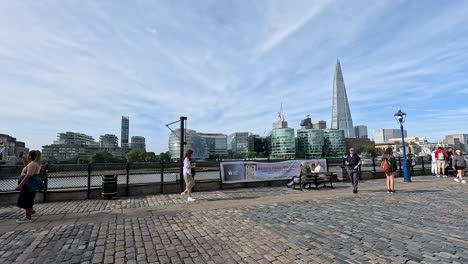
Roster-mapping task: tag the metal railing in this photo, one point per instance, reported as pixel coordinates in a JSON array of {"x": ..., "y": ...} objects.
[{"x": 88, "y": 176}]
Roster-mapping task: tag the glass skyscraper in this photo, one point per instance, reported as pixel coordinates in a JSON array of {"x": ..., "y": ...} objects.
[
  {"x": 310, "y": 142},
  {"x": 334, "y": 143},
  {"x": 341, "y": 115},
  {"x": 283, "y": 143},
  {"x": 125, "y": 131},
  {"x": 194, "y": 142}
]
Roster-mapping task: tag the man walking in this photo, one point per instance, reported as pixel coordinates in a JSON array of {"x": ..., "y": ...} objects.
[
  {"x": 353, "y": 162},
  {"x": 441, "y": 156}
]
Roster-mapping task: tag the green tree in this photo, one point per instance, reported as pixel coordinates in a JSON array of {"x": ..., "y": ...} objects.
[
  {"x": 165, "y": 156},
  {"x": 369, "y": 150},
  {"x": 136, "y": 155},
  {"x": 213, "y": 157},
  {"x": 251, "y": 154},
  {"x": 151, "y": 156},
  {"x": 102, "y": 156}
]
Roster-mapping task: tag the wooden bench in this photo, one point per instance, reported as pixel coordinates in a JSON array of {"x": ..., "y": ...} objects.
[{"x": 315, "y": 178}]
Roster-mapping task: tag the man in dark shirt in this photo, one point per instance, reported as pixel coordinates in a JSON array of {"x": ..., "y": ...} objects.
[{"x": 353, "y": 162}]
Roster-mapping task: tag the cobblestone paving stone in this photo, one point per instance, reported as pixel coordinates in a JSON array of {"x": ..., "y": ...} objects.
[
  {"x": 425, "y": 225},
  {"x": 86, "y": 206}
]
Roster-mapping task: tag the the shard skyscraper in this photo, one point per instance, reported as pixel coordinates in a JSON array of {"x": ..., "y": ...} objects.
[{"x": 341, "y": 115}]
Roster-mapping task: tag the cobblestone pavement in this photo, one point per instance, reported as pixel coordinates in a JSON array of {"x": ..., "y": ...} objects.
[{"x": 424, "y": 222}]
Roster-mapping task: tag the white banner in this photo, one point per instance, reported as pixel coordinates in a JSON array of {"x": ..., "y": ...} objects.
[{"x": 242, "y": 171}]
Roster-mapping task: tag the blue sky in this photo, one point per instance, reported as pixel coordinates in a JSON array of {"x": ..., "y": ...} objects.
[{"x": 228, "y": 65}]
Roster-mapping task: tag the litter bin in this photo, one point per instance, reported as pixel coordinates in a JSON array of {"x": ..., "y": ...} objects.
[{"x": 109, "y": 186}]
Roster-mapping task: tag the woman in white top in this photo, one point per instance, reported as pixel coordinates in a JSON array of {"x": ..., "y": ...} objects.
[
  {"x": 28, "y": 183},
  {"x": 318, "y": 168},
  {"x": 188, "y": 178}
]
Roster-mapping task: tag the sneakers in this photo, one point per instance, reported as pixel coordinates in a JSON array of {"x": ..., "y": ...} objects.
[
  {"x": 438, "y": 176},
  {"x": 23, "y": 220},
  {"x": 190, "y": 200},
  {"x": 444, "y": 176},
  {"x": 182, "y": 193},
  {"x": 463, "y": 181},
  {"x": 355, "y": 191},
  {"x": 456, "y": 179}
]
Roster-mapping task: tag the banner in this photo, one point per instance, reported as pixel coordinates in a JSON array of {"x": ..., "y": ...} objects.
[{"x": 244, "y": 171}]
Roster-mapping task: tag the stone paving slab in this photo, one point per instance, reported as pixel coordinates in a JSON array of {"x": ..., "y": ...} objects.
[{"x": 424, "y": 222}]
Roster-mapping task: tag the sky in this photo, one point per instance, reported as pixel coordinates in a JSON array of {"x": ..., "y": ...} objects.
[{"x": 228, "y": 66}]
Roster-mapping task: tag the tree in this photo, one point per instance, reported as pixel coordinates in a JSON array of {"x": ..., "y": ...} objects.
[
  {"x": 165, "y": 156},
  {"x": 213, "y": 157},
  {"x": 151, "y": 156},
  {"x": 369, "y": 150},
  {"x": 136, "y": 155},
  {"x": 102, "y": 156},
  {"x": 251, "y": 154}
]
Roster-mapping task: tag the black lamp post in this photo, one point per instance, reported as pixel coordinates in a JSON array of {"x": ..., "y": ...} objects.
[{"x": 400, "y": 117}]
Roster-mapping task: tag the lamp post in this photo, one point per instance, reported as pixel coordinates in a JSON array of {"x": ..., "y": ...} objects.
[{"x": 400, "y": 117}]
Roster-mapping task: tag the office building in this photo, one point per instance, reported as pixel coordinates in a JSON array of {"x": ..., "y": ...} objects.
[
  {"x": 239, "y": 142},
  {"x": 11, "y": 149},
  {"x": 306, "y": 123},
  {"x": 138, "y": 142},
  {"x": 319, "y": 125},
  {"x": 216, "y": 143},
  {"x": 334, "y": 143},
  {"x": 283, "y": 142},
  {"x": 341, "y": 114},
  {"x": 360, "y": 131},
  {"x": 259, "y": 145},
  {"x": 194, "y": 142},
  {"x": 125, "y": 132},
  {"x": 108, "y": 141},
  {"x": 70, "y": 145},
  {"x": 458, "y": 141},
  {"x": 310, "y": 142},
  {"x": 358, "y": 143},
  {"x": 383, "y": 135}
]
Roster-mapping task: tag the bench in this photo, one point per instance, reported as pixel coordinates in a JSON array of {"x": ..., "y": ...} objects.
[{"x": 315, "y": 178}]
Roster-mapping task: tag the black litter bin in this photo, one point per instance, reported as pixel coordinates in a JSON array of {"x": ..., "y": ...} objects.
[{"x": 109, "y": 186}]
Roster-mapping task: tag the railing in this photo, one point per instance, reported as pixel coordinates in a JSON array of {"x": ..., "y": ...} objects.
[{"x": 88, "y": 176}]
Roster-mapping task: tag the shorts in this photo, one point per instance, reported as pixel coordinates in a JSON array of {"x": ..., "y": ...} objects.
[
  {"x": 189, "y": 182},
  {"x": 460, "y": 168},
  {"x": 441, "y": 164},
  {"x": 26, "y": 198}
]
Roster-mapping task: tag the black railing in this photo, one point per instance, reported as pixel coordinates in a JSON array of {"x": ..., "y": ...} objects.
[{"x": 89, "y": 176}]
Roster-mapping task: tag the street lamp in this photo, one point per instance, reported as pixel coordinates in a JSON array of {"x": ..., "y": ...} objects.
[{"x": 400, "y": 117}]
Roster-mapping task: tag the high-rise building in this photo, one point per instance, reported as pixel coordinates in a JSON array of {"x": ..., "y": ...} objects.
[
  {"x": 194, "y": 142},
  {"x": 306, "y": 123},
  {"x": 239, "y": 142},
  {"x": 125, "y": 132},
  {"x": 10, "y": 149},
  {"x": 341, "y": 114},
  {"x": 319, "y": 125},
  {"x": 360, "y": 131},
  {"x": 334, "y": 143},
  {"x": 216, "y": 143},
  {"x": 258, "y": 144},
  {"x": 283, "y": 142},
  {"x": 310, "y": 142},
  {"x": 70, "y": 145},
  {"x": 108, "y": 141},
  {"x": 383, "y": 135},
  {"x": 458, "y": 141},
  {"x": 138, "y": 142}
]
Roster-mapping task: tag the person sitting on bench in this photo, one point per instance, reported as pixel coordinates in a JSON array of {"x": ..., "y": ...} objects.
[
  {"x": 317, "y": 167},
  {"x": 304, "y": 169}
]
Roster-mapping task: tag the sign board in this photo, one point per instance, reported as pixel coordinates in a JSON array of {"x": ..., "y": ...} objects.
[{"x": 245, "y": 171}]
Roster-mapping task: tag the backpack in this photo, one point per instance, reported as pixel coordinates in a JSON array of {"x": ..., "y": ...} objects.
[
  {"x": 385, "y": 165},
  {"x": 440, "y": 156}
]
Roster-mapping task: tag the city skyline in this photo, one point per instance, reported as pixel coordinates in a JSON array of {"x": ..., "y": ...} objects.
[{"x": 227, "y": 66}]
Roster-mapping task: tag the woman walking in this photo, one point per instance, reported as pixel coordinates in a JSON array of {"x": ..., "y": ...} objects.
[
  {"x": 459, "y": 163},
  {"x": 188, "y": 178},
  {"x": 28, "y": 184},
  {"x": 389, "y": 166}
]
